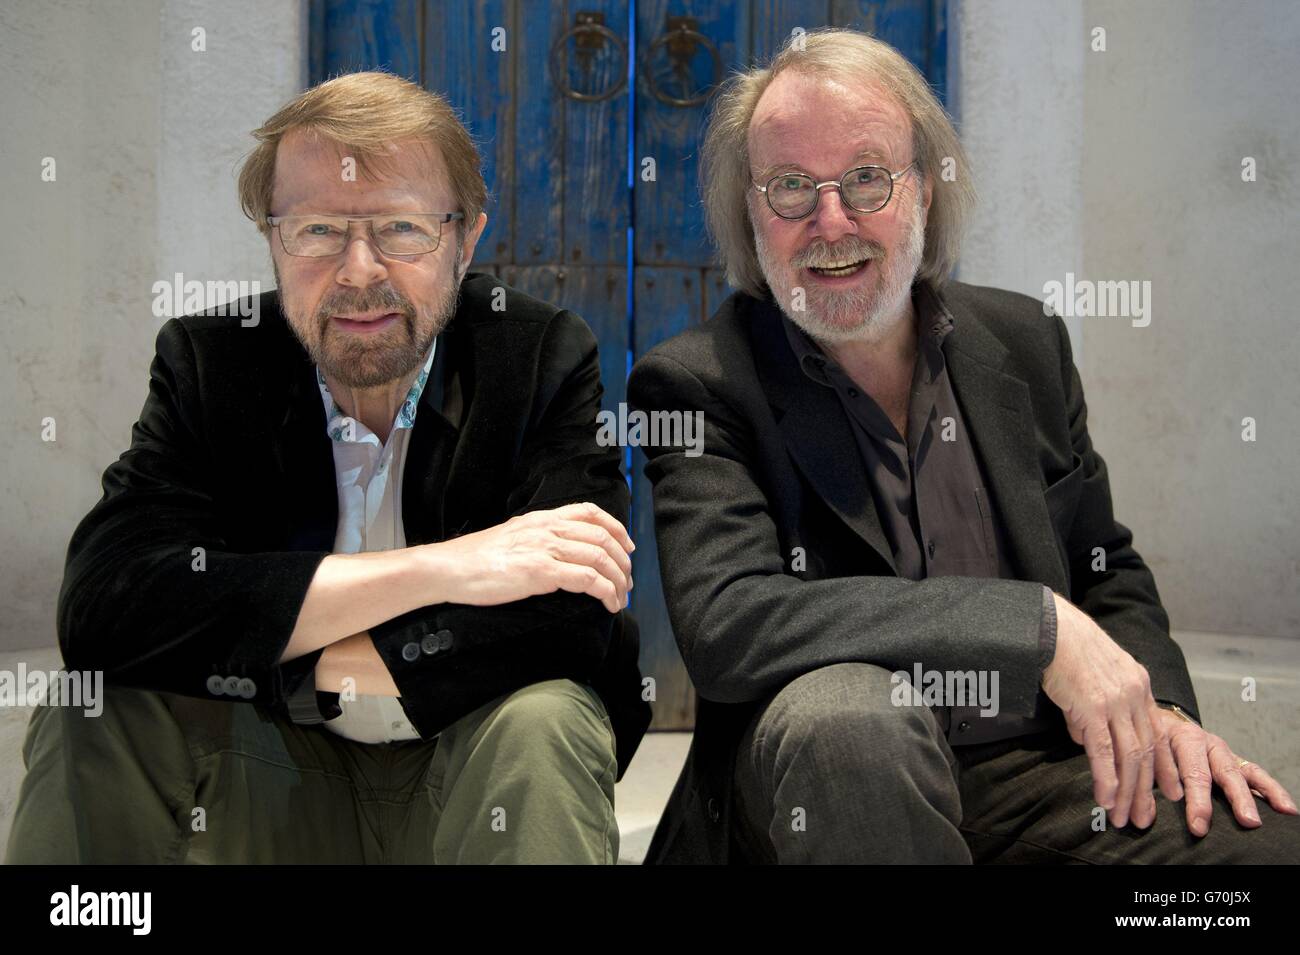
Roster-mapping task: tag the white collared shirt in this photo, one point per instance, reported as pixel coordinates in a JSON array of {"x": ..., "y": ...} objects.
[{"x": 369, "y": 476}]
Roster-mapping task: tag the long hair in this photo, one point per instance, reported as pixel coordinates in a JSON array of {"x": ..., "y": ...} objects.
[{"x": 846, "y": 56}]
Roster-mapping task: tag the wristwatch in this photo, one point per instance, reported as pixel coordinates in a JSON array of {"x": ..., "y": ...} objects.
[
  {"x": 1178, "y": 711},
  {"x": 307, "y": 705}
]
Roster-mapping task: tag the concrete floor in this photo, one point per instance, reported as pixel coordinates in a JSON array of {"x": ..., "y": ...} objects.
[{"x": 1266, "y": 730}]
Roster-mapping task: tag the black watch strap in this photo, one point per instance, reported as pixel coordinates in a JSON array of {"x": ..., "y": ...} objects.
[{"x": 308, "y": 706}]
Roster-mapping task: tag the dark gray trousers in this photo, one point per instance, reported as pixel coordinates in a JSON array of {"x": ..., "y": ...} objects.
[{"x": 831, "y": 771}]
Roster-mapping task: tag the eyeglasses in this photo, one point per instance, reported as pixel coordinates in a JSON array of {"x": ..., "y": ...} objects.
[
  {"x": 794, "y": 195},
  {"x": 407, "y": 233}
]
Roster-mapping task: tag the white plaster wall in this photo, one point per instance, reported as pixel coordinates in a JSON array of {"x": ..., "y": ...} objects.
[
  {"x": 1125, "y": 164},
  {"x": 1184, "y": 91},
  {"x": 1016, "y": 81},
  {"x": 146, "y": 135}
]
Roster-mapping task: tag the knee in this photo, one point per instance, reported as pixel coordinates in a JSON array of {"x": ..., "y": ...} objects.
[
  {"x": 852, "y": 702},
  {"x": 557, "y": 715}
]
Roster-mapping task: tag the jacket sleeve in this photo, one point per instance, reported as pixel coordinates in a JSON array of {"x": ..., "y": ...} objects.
[
  {"x": 746, "y": 623},
  {"x": 448, "y": 659},
  {"x": 152, "y": 594},
  {"x": 1120, "y": 593}
]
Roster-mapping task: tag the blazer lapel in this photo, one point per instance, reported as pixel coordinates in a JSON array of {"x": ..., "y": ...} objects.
[
  {"x": 997, "y": 409},
  {"x": 305, "y": 457},
  {"x": 817, "y": 431},
  {"x": 425, "y": 482}
]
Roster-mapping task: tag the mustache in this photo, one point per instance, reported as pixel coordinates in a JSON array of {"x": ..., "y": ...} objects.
[
  {"x": 384, "y": 298},
  {"x": 821, "y": 253}
]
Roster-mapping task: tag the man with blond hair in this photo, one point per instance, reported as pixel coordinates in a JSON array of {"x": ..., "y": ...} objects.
[
  {"x": 917, "y": 631},
  {"x": 357, "y": 586}
]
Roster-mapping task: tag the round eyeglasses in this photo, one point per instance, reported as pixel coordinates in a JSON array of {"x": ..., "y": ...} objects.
[
  {"x": 406, "y": 233},
  {"x": 794, "y": 195}
]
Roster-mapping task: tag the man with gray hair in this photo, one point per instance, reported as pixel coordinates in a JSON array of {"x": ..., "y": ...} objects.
[{"x": 898, "y": 501}]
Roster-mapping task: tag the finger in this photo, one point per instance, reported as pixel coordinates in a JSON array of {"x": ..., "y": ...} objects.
[
  {"x": 1101, "y": 761},
  {"x": 1128, "y": 761},
  {"x": 592, "y": 514},
  {"x": 1194, "y": 770},
  {"x": 595, "y": 534},
  {"x": 1269, "y": 788},
  {"x": 582, "y": 579},
  {"x": 576, "y": 552},
  {"x": 1223, "y": 765},
  {"x": 1167, "y": 769},
  {"x": 1144, "y": 800}
]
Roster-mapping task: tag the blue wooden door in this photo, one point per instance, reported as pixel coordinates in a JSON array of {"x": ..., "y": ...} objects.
[{"x": 567, "y": 101}]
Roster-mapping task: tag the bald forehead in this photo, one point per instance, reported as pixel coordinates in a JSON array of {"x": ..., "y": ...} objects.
[{"x": 803, "y": 121}]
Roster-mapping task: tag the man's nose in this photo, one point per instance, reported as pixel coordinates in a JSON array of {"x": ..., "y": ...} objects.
[
  {"x": 832, "y": 219},
  {"x": 362, "y": 266}
]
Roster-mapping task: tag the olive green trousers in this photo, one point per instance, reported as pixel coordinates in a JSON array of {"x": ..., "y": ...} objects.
[{"x": 161, "y": 778}]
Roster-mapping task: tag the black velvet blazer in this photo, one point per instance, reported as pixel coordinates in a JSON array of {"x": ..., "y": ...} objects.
[{"x": 230, "y": 455}]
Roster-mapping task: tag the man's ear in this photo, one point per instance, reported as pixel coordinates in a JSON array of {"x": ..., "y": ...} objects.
[
  {"x": 472, "y": 235},
  {"x": 929, "y": 192}
]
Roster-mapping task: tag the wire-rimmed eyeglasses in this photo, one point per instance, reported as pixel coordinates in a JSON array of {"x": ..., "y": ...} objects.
[
  {"x": 794, "y": 195},
  {"x": 405, "y": 233}
]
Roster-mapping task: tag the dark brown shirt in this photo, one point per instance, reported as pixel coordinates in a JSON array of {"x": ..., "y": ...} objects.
[{"x": 929, "y": 490}]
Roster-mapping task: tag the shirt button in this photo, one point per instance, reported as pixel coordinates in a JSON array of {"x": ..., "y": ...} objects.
[
  {"x": 216, "y": 685},
  {"x": 231, "y": 686},
  {"x": 430, "y": 644},
  {"x": 247, "y": 688},
  {"x": 397, "y": 725},
  {"x": 411, "y": 652},
  {"x": 444, "y": 639},
  {"x": 930, "y": 548},
  {"x": 714, "y": 814},
  {"x": 963, "y": 727}
]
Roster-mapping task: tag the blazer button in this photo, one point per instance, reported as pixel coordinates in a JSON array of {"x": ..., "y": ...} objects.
[
  {"x": 430, "y": 644},
  {"x": 411, "y": 652},
  {"x": 714, "y": 815},
  {"x": 444, "y": 639},
  {"x": 963, "y": 727},
  {"x": 247, "y": 688},
  {"x": 216, "y": 685},
  {"x": 231, "y": 686}
]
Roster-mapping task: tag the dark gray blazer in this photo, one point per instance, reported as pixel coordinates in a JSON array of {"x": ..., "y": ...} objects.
[{"x": 780, "y": 470}]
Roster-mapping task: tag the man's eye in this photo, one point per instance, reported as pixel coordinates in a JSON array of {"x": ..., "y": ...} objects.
[
  {"x": 317, "y": 228},
  {"x": 793, "y": 183},
  {"x": 867, "y": 177},
  {"x": 402, "y": 227}
]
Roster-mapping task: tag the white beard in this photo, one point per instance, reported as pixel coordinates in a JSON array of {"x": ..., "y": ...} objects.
[{"x": 867, "y": 314}]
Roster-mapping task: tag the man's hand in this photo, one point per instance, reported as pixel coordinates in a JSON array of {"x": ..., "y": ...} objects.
[
  {"x": 578, "y": 548},
  {"x": 1132, "y": 742},
  {"x": 1205, "y": 760}
]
